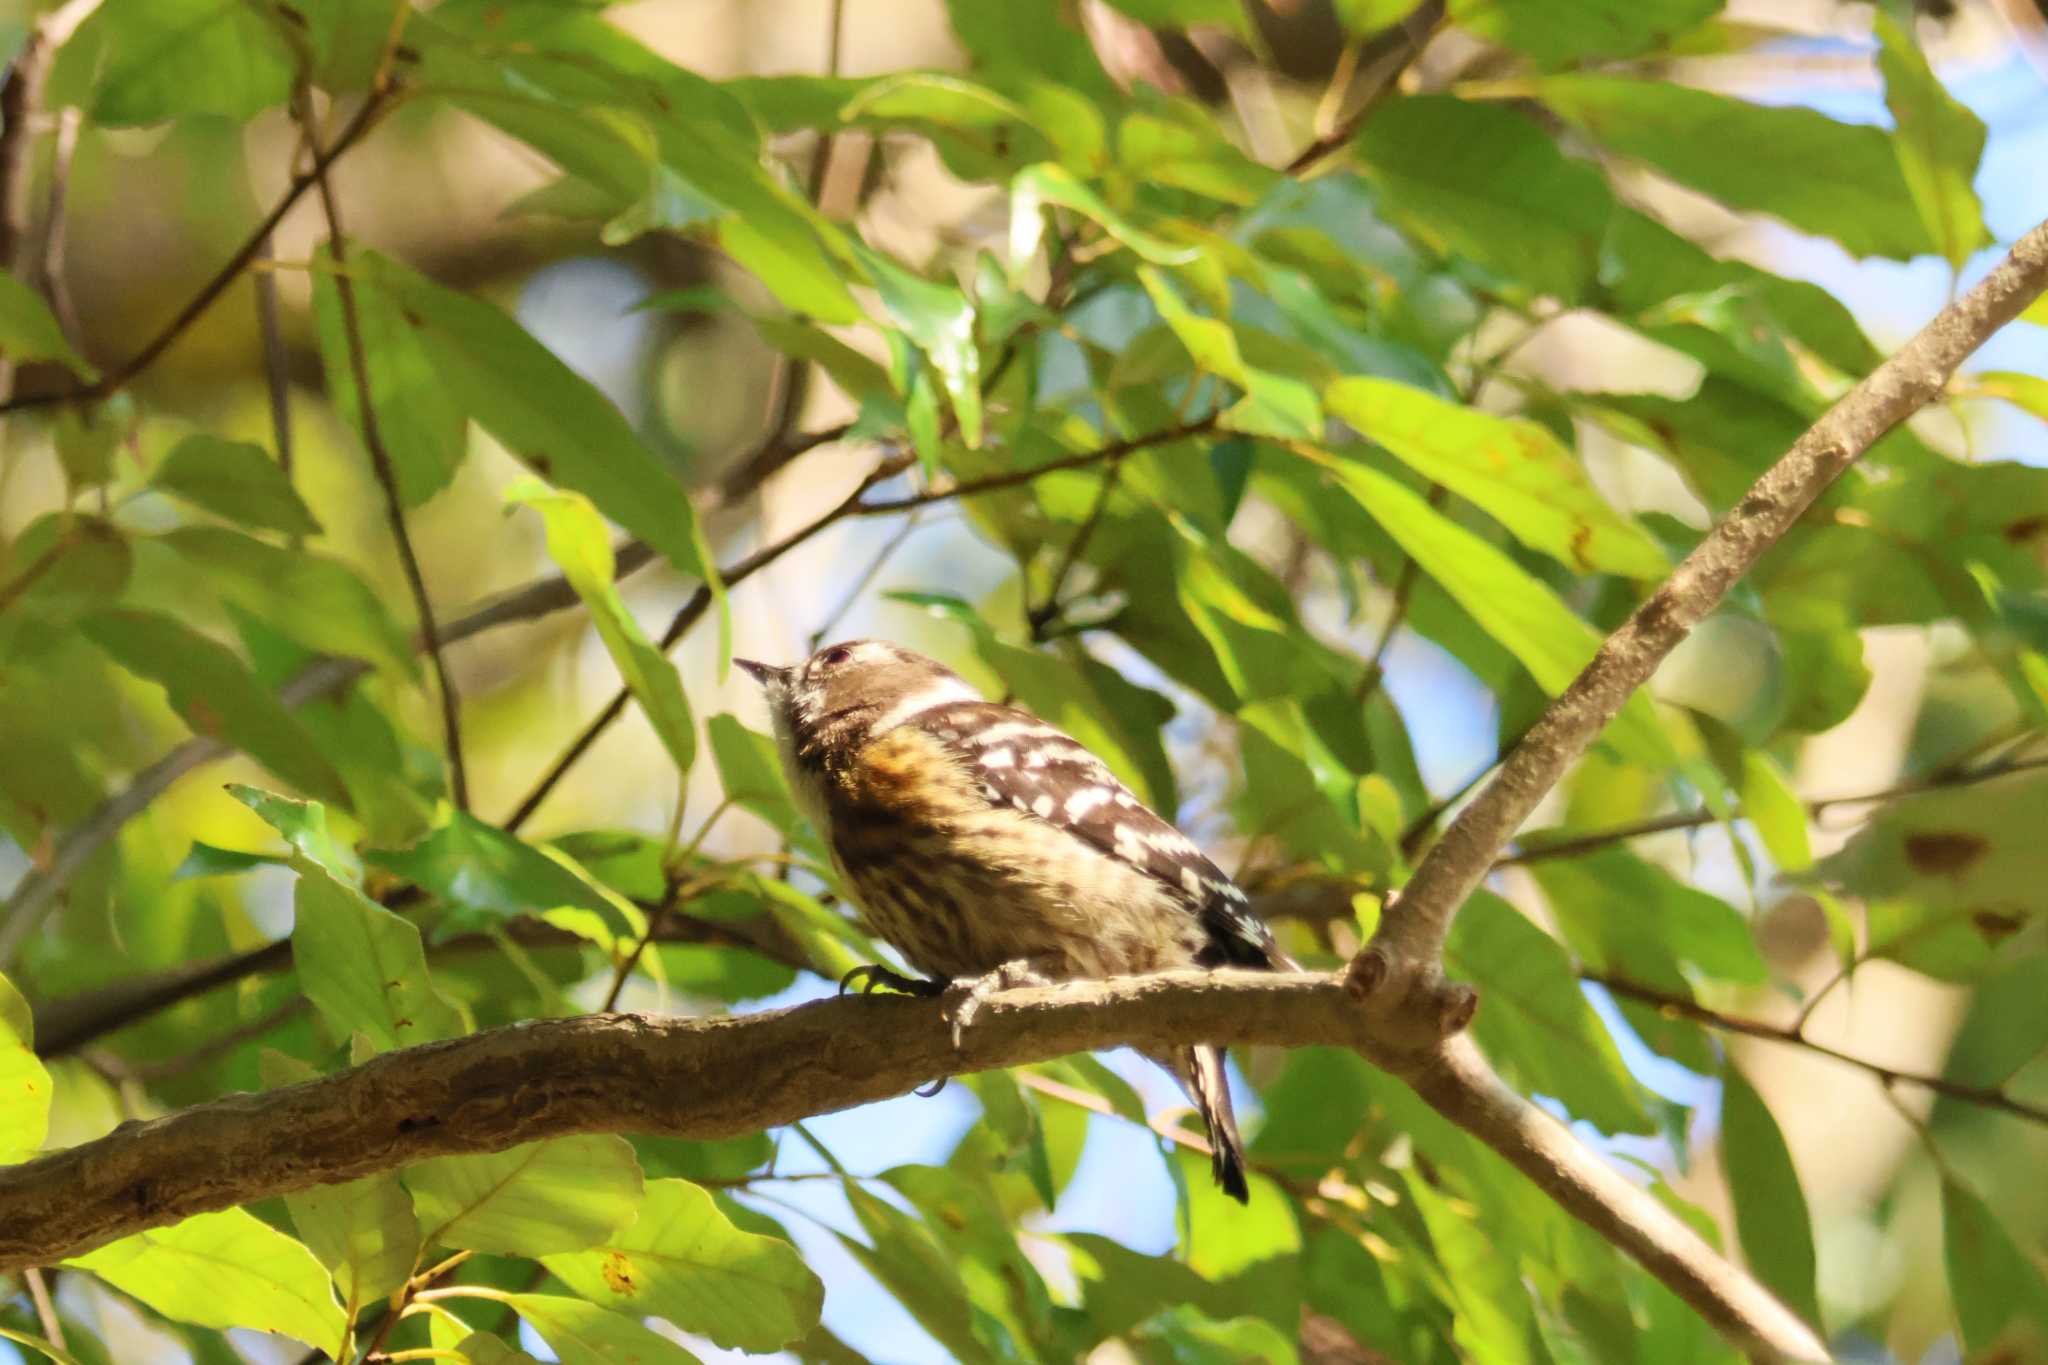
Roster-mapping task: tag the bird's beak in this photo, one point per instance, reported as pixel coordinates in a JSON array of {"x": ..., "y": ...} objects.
[{"x": 764, "y": 674}]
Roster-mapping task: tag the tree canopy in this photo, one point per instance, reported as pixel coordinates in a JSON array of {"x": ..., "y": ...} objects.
[{"x": 1407, "y": 440}]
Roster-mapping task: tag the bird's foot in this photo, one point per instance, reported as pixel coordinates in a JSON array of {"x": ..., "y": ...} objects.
[
  {"x": 962, "y": 1000},
  {"x": 873, "y": 974}
]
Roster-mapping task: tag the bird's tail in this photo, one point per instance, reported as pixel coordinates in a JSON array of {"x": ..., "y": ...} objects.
[{"x": 1201, "y": 1071}]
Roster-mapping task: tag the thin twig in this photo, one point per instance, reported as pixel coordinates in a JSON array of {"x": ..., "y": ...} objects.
[
  {"x": 1012, "y": 478},
  {"x": 1988, "y": 1097},
  {"x": 1396, "y": 50},
  {"x": 860, "y": 585},
  {"x": 1042, "y": 615},
  {"x": 46, "y": 1310},
  {"x": 381, "y": 463},
  {"x": 373, "y": 109},
  {"x": 1594, "y": 840},
  {"x": 276, "y": 360},
  {"x": 57, "y": 225}
]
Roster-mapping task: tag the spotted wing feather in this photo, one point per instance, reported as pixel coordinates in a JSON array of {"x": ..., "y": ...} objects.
[{"x": 1021, "y": 762}]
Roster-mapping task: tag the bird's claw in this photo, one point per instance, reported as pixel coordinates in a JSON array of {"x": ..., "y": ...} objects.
[
  {"x": 873, "y": 974},
  {"x": 962, "y": 1000}
]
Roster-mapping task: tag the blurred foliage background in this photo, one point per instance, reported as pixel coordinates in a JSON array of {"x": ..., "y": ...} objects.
[{"x": 1385, "y": 355}]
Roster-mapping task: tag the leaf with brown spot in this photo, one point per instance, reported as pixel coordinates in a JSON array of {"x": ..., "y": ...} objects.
[{"x": 1944, "y": 853}]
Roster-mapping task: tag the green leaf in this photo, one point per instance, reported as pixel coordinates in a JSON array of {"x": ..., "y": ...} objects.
[
  {"x": 579, "y": 543},
  {"x": 1485, "y": 183},
  {"x": 235, "y": 480},
  {"x": 1536, "y": 1023},
  {"x": 1514, "y": 470},
  {"x": 304, "y": 825},
  {"x": 2005, "y": 1029},
  {"x": 584, "y": 1334},
  {"x": 481, "y": 868},
  {"x": 364, "y": 1231},
  {"x": 1770, "y": 1208},
  {"x": 24, "y": 1084},
  {"x": 1754, "y": 157},
  {"x": 682, "y": 1259},
  {"x": 1491, "y": 1317},
  {"x": 1509, "y": 604},
  {"x": 1586, "y": 30},
  {"x": 1192, "y": 1338},
  {"x": 2000, "y": 1297},
  {"x": 423, "y": 427},
  {"x": 1224, "y": 1238},
  {"x": 215, "y": 693},
  {"x": 1623, "y": 914},
  {"x": 1777, "y": 812},
  {"x": 169, "y": 58},
  {"x": 751, "y": 773},
  {"x": 226, "y": 1269},
  {"x": 1940, "y": 143},
  {"x": 543, "y": 1197},
  {"x": 319, "y": 602},
  {"x": 1273, "y": 405},
  {"x": 1227, "y": 14},
  {"x": 481, "y": 1348},
  {"x": 1950, "y": 876},
  {"x": 1048, "y": 183},
  {"x": 363, "y": 967},
  {"x": 29, "y": 330},
  {"x": 550, "y": 417},
  {"x": 939, "y": 320}
]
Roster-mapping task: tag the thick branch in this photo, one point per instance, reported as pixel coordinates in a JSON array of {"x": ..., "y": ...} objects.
[
  {"x": 1403, "y": 958},
  {"x": 717, "y": 1078}
]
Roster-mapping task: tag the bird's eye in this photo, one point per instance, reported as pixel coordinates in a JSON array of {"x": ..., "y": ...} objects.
[{"x": 835, "y": 656}]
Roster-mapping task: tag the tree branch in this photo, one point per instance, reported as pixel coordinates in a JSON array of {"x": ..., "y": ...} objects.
[
  {"x": 1986, "y": 1096},
  {"x": 113, "y": 381},
  {"x": 709, "y": 1079},
  {"x": 1404, "y": 958},
  {"x": 1571, "y": 846},
  {"x": 380, "y": 459}
]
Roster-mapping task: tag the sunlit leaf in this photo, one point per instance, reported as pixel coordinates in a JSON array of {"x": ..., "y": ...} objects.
[
  {"x": 169, "y": 58},
  {"x": 563, "y": 1194},
  {"x": 363, "y": 1231},
  {"x": 585, "y": 1334},
  {"x": 497, "y": 875},
  {"x": 364, "y": 967},
  {"x": 579, "y": 543},
  {"x": 25, "y": 1115},
  {"x": 225, "y": 1269},
  {"x": 683, "y": 1260},
  {"x": 1515, "y": 470},
  {"x": 320, "y": 602},
  {"x": 939, "y": 320},
  {"x": 1939, "y": 140}
]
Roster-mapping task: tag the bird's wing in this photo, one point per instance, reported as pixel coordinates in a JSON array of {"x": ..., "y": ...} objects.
[{"x": 1022, "y": 762}]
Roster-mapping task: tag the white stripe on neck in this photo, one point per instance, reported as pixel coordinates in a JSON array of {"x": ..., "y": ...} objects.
[{"x": 942, "y": 693}]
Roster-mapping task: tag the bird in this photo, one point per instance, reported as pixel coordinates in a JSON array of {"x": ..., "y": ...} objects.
[{"x": 987, "y": 846}]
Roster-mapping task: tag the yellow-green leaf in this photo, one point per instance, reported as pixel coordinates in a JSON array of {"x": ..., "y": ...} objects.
[
  {"x": 225, "y": 1269},
  {"x": 578, "y": 542},
  {"x": 24, "y": 1084},
  {"x": 682, "y": 1259},
  {"x": 532, "y": 1200},
  {"x": 1514, "y": 470}
]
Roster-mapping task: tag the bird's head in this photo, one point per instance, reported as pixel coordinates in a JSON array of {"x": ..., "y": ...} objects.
[{"x": 849, "y": 692}]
